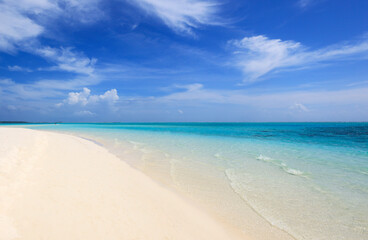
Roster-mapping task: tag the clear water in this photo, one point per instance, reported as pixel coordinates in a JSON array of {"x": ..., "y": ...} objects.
[{"x": 308, "y": 179}]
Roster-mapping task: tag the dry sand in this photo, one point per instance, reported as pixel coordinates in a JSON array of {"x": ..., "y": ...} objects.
[{"x": 56, "y": 186}]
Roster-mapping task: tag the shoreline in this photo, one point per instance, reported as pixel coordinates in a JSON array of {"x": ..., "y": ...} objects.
[
  {"x": 58, "y": 186},
  {"x": 253, "y": 224},
  {"x": 227, "y": 180}
]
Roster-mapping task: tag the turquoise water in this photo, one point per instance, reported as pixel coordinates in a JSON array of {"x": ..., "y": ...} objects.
[{"x": 308, "y": 179}]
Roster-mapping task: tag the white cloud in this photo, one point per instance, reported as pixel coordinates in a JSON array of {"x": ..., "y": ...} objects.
[
  {"x": 299, "y": 107},
  {"x": 43, "y": 90},
  {"x": 79, "y": 97},
  {"x": 305, "y": 3},
  {"x": 190, "y": 87},
  {"x": 67, "y": 60},
  {"x": 6, "y": 82},
  {"x": 17, "y": 68},
  {"x": 84, "y": 11},
  {"x": 110, "y": 96},
  {"x": 197, "y": 101},
  {"x": 12, "y": 107},
  {"x": 32, "y": 6},
  {"x": 263, "y": 55},
  {"x": 16, "y": 91},
  {"x": 24, "y": 20},
  {"x": 76, "y": 83},
  {"x": 192, "y": 92},
  {"x": 15, "y": 27},
  {"x": 182, "y": 15},
  {"x": 84, "y": 97},
  {"x": 84, "y": 113},
  {"x": 285, "y": 100},
  {"x": 259, "y": 55}
]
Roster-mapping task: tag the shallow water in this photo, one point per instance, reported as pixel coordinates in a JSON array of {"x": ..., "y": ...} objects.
[{"x": 308, "y": 179}]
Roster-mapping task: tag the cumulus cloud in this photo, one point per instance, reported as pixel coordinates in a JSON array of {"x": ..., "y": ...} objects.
[
  {"x": 79, "y": 97},
  {"x": 259, "y": 55},
  {"x": 84, "y": 97},
  {"x": 110, "y": 96},
  {"x": 182, "y": 15}
]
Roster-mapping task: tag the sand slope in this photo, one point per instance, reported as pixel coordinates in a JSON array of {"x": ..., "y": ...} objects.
[{"x": 56, "y": 186}]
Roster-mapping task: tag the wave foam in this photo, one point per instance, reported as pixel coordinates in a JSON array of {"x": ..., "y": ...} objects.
[{"x": 281, "y": 165}]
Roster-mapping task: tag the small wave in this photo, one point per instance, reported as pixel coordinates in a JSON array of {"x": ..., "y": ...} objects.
[
  {"x": 265, "y": 159},
  {"x": 238, "y": 185},
  {"x": 293, "y": 171},
  {"x": 363, "y": 172},
  {"x": 281, "y": 165}
]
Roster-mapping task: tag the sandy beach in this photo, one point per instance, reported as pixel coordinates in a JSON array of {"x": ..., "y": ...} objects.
[{"x": 56, "y": 186}]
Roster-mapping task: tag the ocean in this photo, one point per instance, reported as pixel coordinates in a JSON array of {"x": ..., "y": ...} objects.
[{"x": 307, "y": 179}]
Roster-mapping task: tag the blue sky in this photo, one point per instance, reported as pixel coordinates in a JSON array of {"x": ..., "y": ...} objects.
[{"x": 184, "y": 60}]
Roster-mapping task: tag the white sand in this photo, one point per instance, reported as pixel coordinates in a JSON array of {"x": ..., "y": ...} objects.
[{"x": 56, "y": 186}]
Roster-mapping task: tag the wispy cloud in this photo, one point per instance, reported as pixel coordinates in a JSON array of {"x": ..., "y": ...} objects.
[
  {"x": 25, "y": 92},
  {"x": 304, "y": 3},
  {"x": 83, "y": 11},
  {"x": 17, "y": 68},
  {"x": 43, "y": 91},
  {"x": 15, "y": 27},
  {"x": 67, "y": 60},
  {"x": 203, "y": 102},
  {"x": 182, "y": 15},
  {"x": 299, "y": 107},
  {"x": 32, "y": 6},
  {"x": 84, "y": 113},
  {"x": 292, "y": 99},
  {"x": 259, "y": 55},
  {"x": 24, "y": 20}
]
